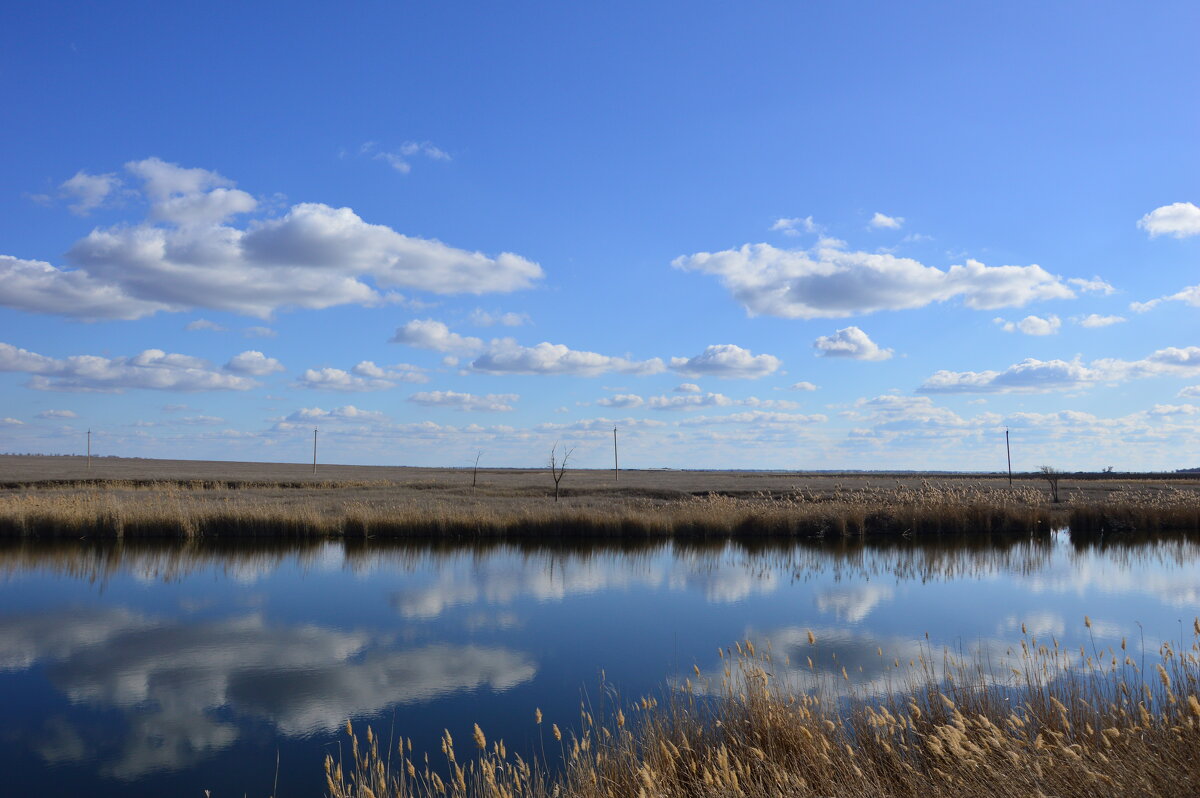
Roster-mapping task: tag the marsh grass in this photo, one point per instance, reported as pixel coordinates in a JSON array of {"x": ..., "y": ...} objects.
[{"x": 1048, "y": 721}]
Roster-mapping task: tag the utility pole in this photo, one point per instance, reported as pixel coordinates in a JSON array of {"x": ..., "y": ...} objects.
[
  {"x": 314, "y": 450},
  {"x": 1008, "y": 449},
  {"x": 614, "y": 454},
  {"x": 89, "y": 450}
]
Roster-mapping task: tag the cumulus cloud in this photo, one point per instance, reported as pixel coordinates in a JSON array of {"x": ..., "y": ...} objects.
[
  {"x": 687, "y": 387},
  {"x": 1032, "y": 325},
  {"x": 506, "y": 356},
  {"x": 1037, "y": 376},
  {"x": 430, "y": 334},
  {"x": 152, "y": 369},
  {"x": 830, "y": 282},
  {"x": 253, "y": 362},
  {"x": 482, "y": 318},
  {"x": 9, "y": 421},
  {"x": 492, "y": 402},
  {"x": 1179, "y": 219},
  {"x": 1096, "y": 320},
  {"x": 366, "y": 376},
  {"x": 35, "y": 285},
  {"x": 760, "y": 418},
  {"x": 1092, "y": 286},
  {"x": 309, "y": 415},
  {"x": 601, "y": 425},
  {"x": 882, "y": 221},
  {"x": 1188, "y": 296},
  {"x": 850, "y": 342},
  {"x": 622, "y": 400},
  {"x": 1192, "y": 391},
  {"x": 795, "y": 226},
  {"x": 402, "y": 156},
  {"x": 726, "y": 361},
  {"x": 187, "y": 255},
  {"x": 203, "y": 324},
  {"x": 803, "y": 385},
  {"x": 697, "y": 401},
  {"x": 88, "y": 191},
  {"x": 57, "y": 414}
]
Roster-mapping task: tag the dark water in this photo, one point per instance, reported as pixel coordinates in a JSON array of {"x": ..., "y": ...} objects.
[{"x": 159, "y": 670}]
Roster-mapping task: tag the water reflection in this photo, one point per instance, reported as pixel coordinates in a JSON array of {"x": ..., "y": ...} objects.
[
  {"x": 170, "y": 676},
  {"x": 128, "y": 659}
]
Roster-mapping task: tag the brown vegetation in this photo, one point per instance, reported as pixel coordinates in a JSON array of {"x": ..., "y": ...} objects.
[
  {"x": 173, "y": 501},
  {"x": 1061, "y": 723}
]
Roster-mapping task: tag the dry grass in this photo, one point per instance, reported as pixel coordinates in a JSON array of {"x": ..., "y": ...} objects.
[
  {"x": 1063, "y": 723},
  {"x": 178, "y": 501},
  {"x": 365, "y": 510}
]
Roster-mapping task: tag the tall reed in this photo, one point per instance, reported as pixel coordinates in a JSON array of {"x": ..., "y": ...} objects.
[{"x": 1063, "y": 723}]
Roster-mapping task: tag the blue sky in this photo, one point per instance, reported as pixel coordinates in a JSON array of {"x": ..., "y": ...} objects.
[{"x": 766, "y": 235}]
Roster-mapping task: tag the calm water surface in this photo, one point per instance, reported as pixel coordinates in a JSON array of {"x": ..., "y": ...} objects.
[{"x": 157, "y": 670}]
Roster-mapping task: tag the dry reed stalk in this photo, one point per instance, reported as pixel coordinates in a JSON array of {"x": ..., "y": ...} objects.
[{"x": 1062, "y": 725}]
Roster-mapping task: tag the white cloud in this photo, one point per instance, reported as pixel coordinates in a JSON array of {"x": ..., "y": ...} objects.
[
  {"x": 151, "y": 369},
  {"x": 57, "y": 414},
  {"x": 1035, "y": 376},
  {"x": 349, "y": 413},
  {"x": 687, "y": 387},
  {"x": 622, "y": 400},
  {"x": 492, "y": 402},
  {"x": 829, "y": 282},
  {"x": 756, "y": 418},
  {"x": 366, "y": 376},
  {"x": 36, "y": 286},
  {"x": 187, "y": 256},
  {"x": 1092, "y": 286},
  {"x": 726, "y": 361},
  {"x": 803, "y": 385},
  {"x": 89, "y": 191},
  {"x": 203, "y": 324},
  {"x": 883, "y": 222},
  {"x": 1096, "y": 320},
  {"x": 430, "y": 334},
  {"x": 401, "y": 157},
  {"x": 9, "y": 421},
  {"x": 1188, "y": 296},
  {"x": 506, "y": 356},
  {"x": 1192, "y": 391},
  {"x": 482, "y": 318},
  {"x": 201, "y": 420},
  {"x": 602, "y": 425},
  {"x": 253, "y": 362},
  {"x": 696, "y": 401},
  {"x": 795, "y": 226},
  {"x": 1033, "y": 325},
  {"x": 850, "y": 342},
  {"x": 1179, "y": 219}
]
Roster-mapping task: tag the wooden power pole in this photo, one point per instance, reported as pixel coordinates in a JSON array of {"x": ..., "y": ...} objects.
[
  {"x": 1008, "y": 449},
  {"x": 615, "y": 464}
]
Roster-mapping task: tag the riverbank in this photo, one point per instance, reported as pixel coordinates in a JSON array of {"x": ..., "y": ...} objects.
[{"x": 55, "y": 497}]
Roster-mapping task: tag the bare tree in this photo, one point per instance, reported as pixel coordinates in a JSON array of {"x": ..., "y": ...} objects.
[
  {"x": 557, "y": 469},
  {"x": 475, "y": 470},
  {"x": 1051, "y": 475}
]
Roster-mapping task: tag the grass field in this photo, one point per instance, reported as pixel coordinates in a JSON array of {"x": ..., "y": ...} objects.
[{"x": 60, "y": 496}]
